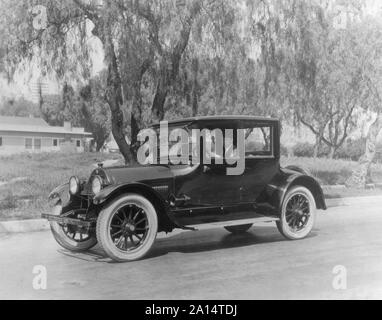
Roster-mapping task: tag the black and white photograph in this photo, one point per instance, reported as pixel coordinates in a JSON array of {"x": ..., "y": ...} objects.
[{"x": 190, "y": 150}]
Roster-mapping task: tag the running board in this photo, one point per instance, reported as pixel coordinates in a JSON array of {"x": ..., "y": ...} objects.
[{"x": 220, "y": 224}]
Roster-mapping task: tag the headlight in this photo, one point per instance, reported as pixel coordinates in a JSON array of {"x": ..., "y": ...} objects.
[
  {"x": 96, "y": 184},
  {"x": 74, "y": 185}
]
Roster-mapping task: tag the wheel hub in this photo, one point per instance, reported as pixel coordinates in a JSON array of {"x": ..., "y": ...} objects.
[
  {"x": 298, "y": 212},
  {"x": 128, "y": 228}
]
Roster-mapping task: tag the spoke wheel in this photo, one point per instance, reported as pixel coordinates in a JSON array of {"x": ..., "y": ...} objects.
[
  {"x": 75, "y": 234},
  {"x": 71, "y": 237},
  {"x": 127, "y": 228},
  {"x": 298, "y": 214}
]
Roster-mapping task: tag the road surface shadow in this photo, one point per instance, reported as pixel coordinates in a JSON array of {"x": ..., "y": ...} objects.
[
  {"x": 202, "y": 243},
  {"x": 195, "y": 241}
]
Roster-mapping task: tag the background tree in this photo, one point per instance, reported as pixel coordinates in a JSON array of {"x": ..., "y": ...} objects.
[
  {"x": 369, "y": 51},
  {"x": 18, "y": 107},
  {"x": 95, "y": 114}
]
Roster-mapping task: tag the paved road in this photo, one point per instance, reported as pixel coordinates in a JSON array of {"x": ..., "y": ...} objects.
[{"x": 210, "y": 264}]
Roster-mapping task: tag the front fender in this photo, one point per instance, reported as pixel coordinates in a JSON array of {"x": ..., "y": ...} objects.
[
  {"x": 61, "y": 193},
  {"x": 113, "y": 190},
  {"x": 161, "y": 205}
]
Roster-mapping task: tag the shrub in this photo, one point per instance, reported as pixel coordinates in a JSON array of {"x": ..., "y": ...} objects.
[
  {"x": 352, "y": 149},
  {"x": 9, "y": 201},
  {"x": 328, "y": 171},
  {"x": 378, "y": 155},
  {"x": 283, "y": 151},
  {"x": 303, "y": 149}
]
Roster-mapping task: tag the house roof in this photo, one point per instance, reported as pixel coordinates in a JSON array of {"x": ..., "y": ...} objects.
[
  {"x": 23, "y": 121},
  {"x": 36, "y": 125}
]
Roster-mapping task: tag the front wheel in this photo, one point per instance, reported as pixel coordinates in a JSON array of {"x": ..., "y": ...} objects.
[
  {"x": 298, "y": 214},
  {"x": 71, "y": 237},
  {"x": 127, "y": 228}
]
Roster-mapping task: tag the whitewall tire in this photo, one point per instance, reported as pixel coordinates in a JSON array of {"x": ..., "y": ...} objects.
[
  {"x": 127, "y": 228},
  {"x": 298, "y": 213}
]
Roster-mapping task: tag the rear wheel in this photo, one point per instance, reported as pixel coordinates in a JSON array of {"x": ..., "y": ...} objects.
[
  {"x": 71, "y": 237},
  {"x": 127, "y": 228},
  {"x": 298, "y": 213},
  {"x": 238, "y": 229}
]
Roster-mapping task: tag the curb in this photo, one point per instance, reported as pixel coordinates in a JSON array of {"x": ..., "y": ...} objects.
[
  {"x": 342, "y": 186},
  {"x": 336, "y": 202},
  {"x": 22, "y": 226},
  {"x": 36, "y": 225}
]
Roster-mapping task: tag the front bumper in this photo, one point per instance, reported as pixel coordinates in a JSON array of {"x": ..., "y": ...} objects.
[{"x": 63, "y": 220}]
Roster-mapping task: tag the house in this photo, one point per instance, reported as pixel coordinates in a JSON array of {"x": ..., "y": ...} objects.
[{"x": 22, "y": 134}]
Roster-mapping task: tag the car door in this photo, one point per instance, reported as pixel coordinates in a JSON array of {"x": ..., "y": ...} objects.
[
  {"x": 262, "y": 163},
  {"x": 209, "y": 185},
  {"x": 209, "y": 194}
]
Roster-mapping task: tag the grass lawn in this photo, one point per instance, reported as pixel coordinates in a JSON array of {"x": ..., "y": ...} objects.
[
  {"x": 331, "y": 171},
  {"x": 32, "y": 176}
]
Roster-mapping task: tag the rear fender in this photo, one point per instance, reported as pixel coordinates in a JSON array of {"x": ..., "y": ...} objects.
[{"x": 305, "y": 181}]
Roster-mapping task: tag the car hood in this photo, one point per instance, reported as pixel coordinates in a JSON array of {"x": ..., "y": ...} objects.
[{"x": 143, "y": 174}]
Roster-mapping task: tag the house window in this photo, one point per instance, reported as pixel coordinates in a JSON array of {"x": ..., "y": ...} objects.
[
  {"x": 1, "y": 141},
  {"x": 37, "y": 144},
  {"x": 78, "y": 143},
  {"x": 28, "y": 143},
  {"x": 55, "y": 142}
]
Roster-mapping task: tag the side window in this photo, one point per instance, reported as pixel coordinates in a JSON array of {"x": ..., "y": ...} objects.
[
  {"x": 28, "y": 143},
  {"x": 258, "y": 142},
  {"x": 213, "y": 144},
  {"x": 37, "y": 144}
]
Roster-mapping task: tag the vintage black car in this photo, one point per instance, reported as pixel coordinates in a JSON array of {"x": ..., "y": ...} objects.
[{"x": 123, "y": 208}]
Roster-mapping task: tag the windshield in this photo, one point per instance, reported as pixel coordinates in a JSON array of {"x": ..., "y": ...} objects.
[
  {"x": 183, "y": 142},
  {"x": 179, "y": 144}
]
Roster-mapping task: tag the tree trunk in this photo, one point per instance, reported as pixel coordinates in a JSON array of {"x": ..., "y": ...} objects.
[
  {"x": 136, "y": 114},
  {"x": 99, "y": 145},
  {"x": 359, "y": 175},
  {"x": 160, "y": 99},
  {"x": 332, "y": 152},
  {"x": 319, "y": 137},
  {"x": 114, "y": 98},
  {"x": 316, "y": 149},
  {"x": 170, "y": 63},
  {"x": 195, "y": 87}
]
